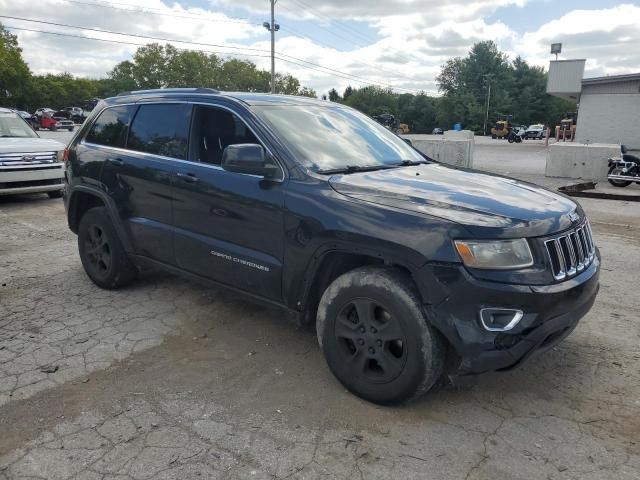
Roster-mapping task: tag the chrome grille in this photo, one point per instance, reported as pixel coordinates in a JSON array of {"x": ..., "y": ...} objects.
[
  {"x": 571, "y": 252},
  {"x": 26, "y": 159}
]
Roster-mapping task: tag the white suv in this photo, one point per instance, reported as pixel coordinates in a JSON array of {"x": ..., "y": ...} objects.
[{"x": 28, "y": 163}]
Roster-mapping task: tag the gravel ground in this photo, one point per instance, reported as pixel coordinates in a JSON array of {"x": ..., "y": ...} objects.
[{"x": 168, "y": 379}]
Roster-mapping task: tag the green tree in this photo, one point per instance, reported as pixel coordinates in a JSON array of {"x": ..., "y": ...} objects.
[
  {"x": 14, "y": 72},
  {"x": 373, "y": 100},
  {"x": 347, "y": 92},
  {"x": 334, "y": 96}
]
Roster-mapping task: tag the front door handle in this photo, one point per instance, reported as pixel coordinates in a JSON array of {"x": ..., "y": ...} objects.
[
  {"x": 116, "y": 161},
  {"x": 188, "y": 177}
]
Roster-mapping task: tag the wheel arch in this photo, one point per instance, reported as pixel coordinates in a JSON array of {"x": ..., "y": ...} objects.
[
  {"x": 330, "y": 263},
  {"x": 83, "y": 198}
]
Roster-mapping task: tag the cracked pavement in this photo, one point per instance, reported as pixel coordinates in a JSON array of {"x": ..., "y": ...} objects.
[{"x": 168, "y": 379}]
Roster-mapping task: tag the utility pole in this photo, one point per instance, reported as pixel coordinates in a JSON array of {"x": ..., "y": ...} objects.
[
  {"x": 273, "y": 27},
  {"x": 487, "y": 80}
]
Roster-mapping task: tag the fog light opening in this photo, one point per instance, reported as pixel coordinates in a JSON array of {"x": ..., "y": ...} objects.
[{"x": 500, "y": 319}]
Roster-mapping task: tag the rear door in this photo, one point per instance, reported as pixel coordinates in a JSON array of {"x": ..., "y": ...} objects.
[
  {"x": 139, "y": 177},
  {"x": 229, "y": 226}
]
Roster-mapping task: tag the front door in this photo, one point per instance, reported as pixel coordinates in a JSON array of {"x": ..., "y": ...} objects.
[{"x": 228, "y": 226}]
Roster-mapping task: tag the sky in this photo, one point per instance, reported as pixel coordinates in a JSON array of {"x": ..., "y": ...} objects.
[{"x": 327, "y": 44}]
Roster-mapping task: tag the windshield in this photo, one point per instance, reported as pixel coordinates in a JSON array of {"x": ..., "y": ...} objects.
[
  {"x": 326, "y": 138},
  {"x": 12, "y": 125}
]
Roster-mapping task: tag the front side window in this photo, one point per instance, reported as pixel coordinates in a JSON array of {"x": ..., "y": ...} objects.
[
  {"x": 213, "y": 130},
  {"x": 110, "y": 127},
  {"x": 326, "y": 138},
  {"x": 161, "y": 129}
]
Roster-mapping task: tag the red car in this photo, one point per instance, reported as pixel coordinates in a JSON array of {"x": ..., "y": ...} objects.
[{"x": 44, "y": 119}]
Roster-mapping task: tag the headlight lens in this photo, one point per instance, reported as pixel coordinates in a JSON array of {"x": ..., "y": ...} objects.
[{"x": 495, "y": 254}]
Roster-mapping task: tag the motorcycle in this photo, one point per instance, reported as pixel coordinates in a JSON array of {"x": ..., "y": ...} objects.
[
  {"x": 625, "y": 170},
  {"x": 515, "y": 136}
]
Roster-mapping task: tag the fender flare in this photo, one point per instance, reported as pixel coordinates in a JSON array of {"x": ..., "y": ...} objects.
[
  {"x": 321, "y": 253},
  {"x": 108, "y": 203}
]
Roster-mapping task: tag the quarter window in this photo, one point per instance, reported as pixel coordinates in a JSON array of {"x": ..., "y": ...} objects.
[
  {"x": 161, "y": 129},
  {"x": 110, "y": 127}
]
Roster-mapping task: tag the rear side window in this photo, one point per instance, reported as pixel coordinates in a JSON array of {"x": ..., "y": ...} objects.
[
  {"x": 110, "y": 127},
  {"x": 161, "y": 129}
]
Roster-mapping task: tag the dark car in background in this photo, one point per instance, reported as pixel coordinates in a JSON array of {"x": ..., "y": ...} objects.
[
  {"x": 412, "y": 271},
  {"x": 75, "y": 114}
]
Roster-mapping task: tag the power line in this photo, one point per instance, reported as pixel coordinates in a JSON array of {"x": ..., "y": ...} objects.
[
  {"x": 337, "y": 23},
  {"x": 121, "y": 42},
  {"x": 339, "y": 73},
  {"x": 366, "y": 82},
  {"x": 345, "y": 27},
  {"x": 200, "y": 18},
  {"x": 154, "y": 11}
]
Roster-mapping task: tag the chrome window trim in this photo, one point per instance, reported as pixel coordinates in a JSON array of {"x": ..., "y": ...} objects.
[{"x": 189, "y": 162}]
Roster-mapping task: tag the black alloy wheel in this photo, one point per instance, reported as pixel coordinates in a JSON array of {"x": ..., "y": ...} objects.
[
  {"x": 371, "y": 340},
  {"x": 104, "y": 259},
  {"x": 98, "y": 250}
]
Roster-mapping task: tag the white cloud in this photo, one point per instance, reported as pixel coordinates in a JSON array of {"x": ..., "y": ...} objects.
[
  {"x": 608, "y": 38},
  {"x": 411, "y": 39}
]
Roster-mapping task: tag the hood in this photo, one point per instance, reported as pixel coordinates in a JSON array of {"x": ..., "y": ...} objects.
[
  {"x": 29, "y": 145},
  {"x": 488, "y": 205}
]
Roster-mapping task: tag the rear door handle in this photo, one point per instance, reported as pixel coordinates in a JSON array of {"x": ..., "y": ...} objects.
[
  {"x": 116, "y": 161},
  {"x": 188, "y": 177}
]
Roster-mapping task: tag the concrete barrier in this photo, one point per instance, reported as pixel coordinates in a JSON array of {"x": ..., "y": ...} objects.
[
  {"x": 451, "y": 149},
  {"x": 579, "y": 160}
]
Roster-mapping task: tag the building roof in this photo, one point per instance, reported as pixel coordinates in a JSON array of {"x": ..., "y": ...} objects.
[{"x": 630, "y": 77}]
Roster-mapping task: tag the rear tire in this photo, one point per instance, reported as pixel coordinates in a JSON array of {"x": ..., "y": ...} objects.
[
  {"x": 102, "y": 255},
  {"x": 617, "y": 183},
  {"x": 375, "y": 338}
]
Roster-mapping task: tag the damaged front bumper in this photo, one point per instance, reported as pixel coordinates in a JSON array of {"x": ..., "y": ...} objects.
[{"x": 548, "y": 315}]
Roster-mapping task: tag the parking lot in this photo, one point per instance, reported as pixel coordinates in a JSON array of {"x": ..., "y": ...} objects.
[{"x": 169, "y": 379}]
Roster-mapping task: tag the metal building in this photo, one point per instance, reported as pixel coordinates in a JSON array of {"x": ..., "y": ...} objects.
[{"x": 609, "y": 107}]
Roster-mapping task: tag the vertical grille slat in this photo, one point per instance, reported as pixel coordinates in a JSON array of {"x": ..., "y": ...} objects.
[{"x": 571, "y": 252}]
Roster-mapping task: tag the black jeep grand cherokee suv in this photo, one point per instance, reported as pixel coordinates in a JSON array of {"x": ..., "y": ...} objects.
[{"x": 412, "y": 271}]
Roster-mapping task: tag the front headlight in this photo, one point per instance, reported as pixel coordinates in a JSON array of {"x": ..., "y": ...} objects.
[{"x": 495, "y": 254}]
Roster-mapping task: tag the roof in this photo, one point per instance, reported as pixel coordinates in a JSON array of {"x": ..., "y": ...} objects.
[
  {"x": 6, "y": 110},
  {"x": 250, "y": 98},
  {"x": 611, "y": 79}
]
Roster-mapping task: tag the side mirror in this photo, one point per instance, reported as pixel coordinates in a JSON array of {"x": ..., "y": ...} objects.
[
  {"x": 247, "y": 158},
  {"x": 623, "y": 148}
]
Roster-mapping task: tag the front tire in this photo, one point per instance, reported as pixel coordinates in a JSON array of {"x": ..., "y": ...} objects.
[
  {"x": 375, "y": 338},
  {"x": 102, "y": 255},
  {"x": 55, "y": 194},
  {"x": 617, "y": 183}
]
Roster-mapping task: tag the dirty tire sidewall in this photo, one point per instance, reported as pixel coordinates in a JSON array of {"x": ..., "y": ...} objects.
[
  {"x": 425, "y": 347},
  {"x": 121, "y": 270}
]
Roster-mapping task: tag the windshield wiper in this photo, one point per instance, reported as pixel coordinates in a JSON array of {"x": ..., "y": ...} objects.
[
  {"x": 409, "y": 163},
  {"x": 354, "y": 168}
]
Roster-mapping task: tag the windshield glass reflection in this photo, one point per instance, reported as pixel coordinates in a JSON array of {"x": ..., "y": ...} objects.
[{"x": 325, "y": 138}]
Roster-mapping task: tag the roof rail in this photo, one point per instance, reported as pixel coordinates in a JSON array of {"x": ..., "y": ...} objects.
[{"x": 170, "y": 90}]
